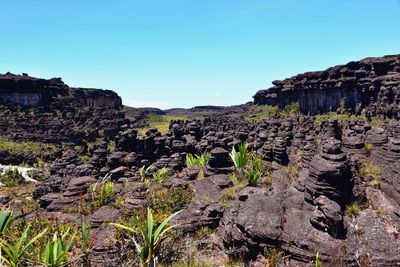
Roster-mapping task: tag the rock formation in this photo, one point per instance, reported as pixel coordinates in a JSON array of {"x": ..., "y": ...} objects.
[{"x": 371, "y": 84}]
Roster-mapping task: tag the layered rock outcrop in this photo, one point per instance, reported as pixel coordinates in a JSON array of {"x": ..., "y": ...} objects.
[
  {"x": 52, "y": 112},
  {"x": 29, "y": 91},
  {"x": 371, "y": 84}
]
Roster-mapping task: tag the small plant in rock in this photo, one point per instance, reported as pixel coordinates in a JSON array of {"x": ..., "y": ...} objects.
[
  {"x": 274, "y": 256},
  {"x": 12, "y": 177},
  {"x": 107, "y": 193},
  {"x": 57, "y": 248},
  {"x": 85, "y": 234},
  {"x": 161, "y": 175},
  {"x": 292, "y": 171},
  {"x": 372, "y": 170},
  {"x": 153, "y": 237},
  {"x": 293, "y": 108},
  {"x": 352, "y": 210},
  {"x": 144, "y": 172},
  {"x": 254, "y": 176},
  {"x": 197, "y": 160},
  {"x": 317, "y": 261},
  {"x": 368, "y": 149},
  {"x": 241, "y": 156}
]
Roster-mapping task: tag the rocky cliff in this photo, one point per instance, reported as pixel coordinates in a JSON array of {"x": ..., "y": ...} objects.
[
  {"x": 29, "y": 91},
  {"x": 52, "y": 112},
  {"x": 371, "y": 85}
]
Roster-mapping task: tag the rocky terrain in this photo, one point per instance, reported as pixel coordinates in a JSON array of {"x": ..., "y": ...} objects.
[
  {"x": 371, "y": 84},
  {"x": 50, "y": 111},
  {"x": 326, "y": 146}
]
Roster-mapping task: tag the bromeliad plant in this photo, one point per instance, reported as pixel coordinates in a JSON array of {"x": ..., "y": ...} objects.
[
  {"x": 240, "y": 157},
  {"x": 197, "y": 160},
  {"x": 153, "y": 237},
  {"x": 57, "y": 248},
  {"x": 6, "y": 219},
  {"x": 249, "y": 165},
  {"x": 144, "y": 172},
  {"x": 15, "y": 251}
]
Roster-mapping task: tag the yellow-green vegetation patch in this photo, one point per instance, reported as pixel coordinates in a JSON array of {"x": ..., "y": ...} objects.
[
  {"x": 372, "y": 170},
  {"x": 11, "y": 177},
  {"x": 341, "y": 118},
  {"x": 21, "y": 195},
  {"x": 159, "y": 122},
  {"x": 36, "y": 148},
  {"x": 259, "y": 113},
  {"x": 352, "y": 210},
  {"x": 263, "y": 112}
]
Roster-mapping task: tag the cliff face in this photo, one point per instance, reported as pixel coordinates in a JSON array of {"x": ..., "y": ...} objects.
[
  {"x": 371, "y": 85},
  {"x": 29, "y": 91},
  {"x": 52, "y": 112}
]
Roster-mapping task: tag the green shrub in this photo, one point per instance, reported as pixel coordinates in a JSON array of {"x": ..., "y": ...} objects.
[
  {"x": 161, "y": 175},
  {"x": 274, "y": 256},
  {"x": 368, "y": 149},
  {"x": 153, "y": 237},
  {"x": 144, "y": 172},
  {"x": 160, "y": 122},
  {"x": 6, "y": 219},
  {"x": 352, "y": 210},
  {"x": 85, "y": 234},
  {"x": 368, "y": 168},
  {"x": 12, "y": 177},
  {"x": 169, "y": 200},
  {"x": 293, "y": 108},
  {"x": 107, "y": 193},
  {"x": 14, "y": 250},
  {"x": 197, "y": 160},
  {"x": 254, "y": 176},
  {"x": 36, "y": 148},
  {"x": 57, "y": 248},
  {"x": 240, "y": 157}
]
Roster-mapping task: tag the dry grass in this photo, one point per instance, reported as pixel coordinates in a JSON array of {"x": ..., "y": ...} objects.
[{"x": 159, "y": 122}]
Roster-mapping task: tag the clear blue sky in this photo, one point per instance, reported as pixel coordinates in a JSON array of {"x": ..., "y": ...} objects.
[{"x": 182, "y": 53}]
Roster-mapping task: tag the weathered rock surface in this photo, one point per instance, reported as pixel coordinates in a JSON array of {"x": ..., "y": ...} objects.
[{"x": 371, "y": 84}]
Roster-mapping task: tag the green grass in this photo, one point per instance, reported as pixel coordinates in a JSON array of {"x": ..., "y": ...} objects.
[
  {"x": 368, "y": 168},
  {"x": 36, "y": 148},
  {"x": 263, "y": 112},
  {"x": 159, "y": 122},
  {"x": 352, "y": 210},
  {"x": 259, "y": 113},
  {"x": 274, "y": 256},
  {"x": 11, "y": 178},
  {"x": 197, "y": 160},
  {"x": 341, "y": 118}
]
